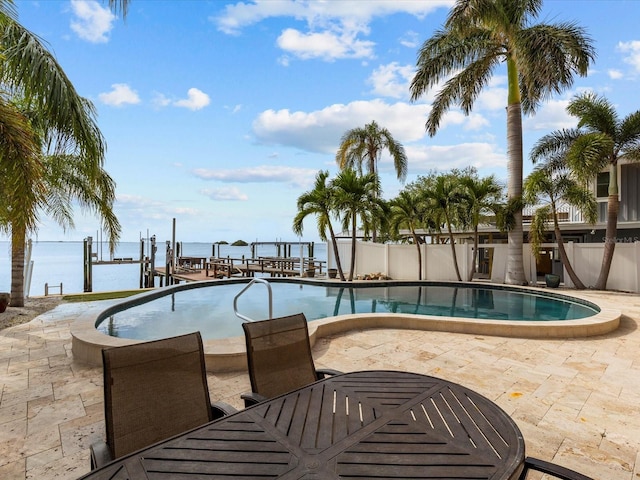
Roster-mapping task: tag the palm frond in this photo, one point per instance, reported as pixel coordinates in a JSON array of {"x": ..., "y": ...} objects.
[
  {"x": 595, "y": 113},
  {"x": 548, "y": 58},
  {"x": 539, "y": 227},
  {"x": 629, "y": 131},
  {"x": 30, "y": 71},
  {"x": 21, "y": 189}
]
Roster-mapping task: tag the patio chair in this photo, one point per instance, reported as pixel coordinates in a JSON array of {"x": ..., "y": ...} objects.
[
  {"x": 549, "y": 468},
  {"x": 152, "y": 391},
  {"x": 279, "y": 357}
]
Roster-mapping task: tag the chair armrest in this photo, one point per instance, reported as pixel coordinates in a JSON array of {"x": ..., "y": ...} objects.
[
  {"x": 221, "y": 409},
  {"x": 531, "y": 463},
  {"x": 323, "y": 372},
  {"x": 252, "y": 398},
  {"x": 100, "y": 454}
]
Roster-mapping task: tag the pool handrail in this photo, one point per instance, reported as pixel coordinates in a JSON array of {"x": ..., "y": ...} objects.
[{"x": 235, "y": 299}]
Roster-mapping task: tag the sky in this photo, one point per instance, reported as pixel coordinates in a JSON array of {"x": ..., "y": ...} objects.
[{"x": 219, "y": 114}]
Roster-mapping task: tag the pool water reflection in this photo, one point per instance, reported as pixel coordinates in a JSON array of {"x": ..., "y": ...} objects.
[{"x": 209, "y": 308}]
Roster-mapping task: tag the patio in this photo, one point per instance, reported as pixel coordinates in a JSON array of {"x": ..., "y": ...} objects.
[{"x": 576, "y": 401}]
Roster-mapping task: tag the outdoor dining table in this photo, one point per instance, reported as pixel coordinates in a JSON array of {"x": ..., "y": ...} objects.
[{"x": 366, "y": 424}]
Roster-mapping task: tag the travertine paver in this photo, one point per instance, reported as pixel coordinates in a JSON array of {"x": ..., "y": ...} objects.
[{"x": 577, "y": 401}]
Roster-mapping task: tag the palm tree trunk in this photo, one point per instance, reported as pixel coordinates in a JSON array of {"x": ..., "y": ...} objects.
[
  {"x": 474, "y": 257},
  {"x": 453, "y": 251},
  {"x": 18, "y": 236},
  {"x": 609, "y": 241},
  {"x": 415, "y": 240},
  {"x": 334, "y": 242},
  {"x": 515, "y": 264},
  {"x": 353, "y": 247},
  {"x": 564, "y": 258}
]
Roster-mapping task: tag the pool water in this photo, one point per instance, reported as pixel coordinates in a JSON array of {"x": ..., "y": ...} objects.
[{"x": 209, "y": 309}]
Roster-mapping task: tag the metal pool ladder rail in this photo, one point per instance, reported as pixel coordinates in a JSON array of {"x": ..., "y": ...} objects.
[{"x": 235, "y": 299}]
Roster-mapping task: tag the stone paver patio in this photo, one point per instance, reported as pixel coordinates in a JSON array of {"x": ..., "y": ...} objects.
[{"x": 577, "y": 401}]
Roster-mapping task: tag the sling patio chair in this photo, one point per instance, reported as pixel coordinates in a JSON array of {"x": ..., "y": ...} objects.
[
  {"x": 552, "y": 469},
  {"x": 152, "y": 391},
  {"x": 279, "y": 357}
]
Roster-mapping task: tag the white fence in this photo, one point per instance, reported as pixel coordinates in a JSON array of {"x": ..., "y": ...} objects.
[{"x": 400, "y": 262}]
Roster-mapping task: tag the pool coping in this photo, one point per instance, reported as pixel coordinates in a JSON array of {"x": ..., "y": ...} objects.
[{"x": 229, "y": 354}]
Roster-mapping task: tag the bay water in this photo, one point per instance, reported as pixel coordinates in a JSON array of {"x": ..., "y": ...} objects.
[{"x": 56, "y": 263}]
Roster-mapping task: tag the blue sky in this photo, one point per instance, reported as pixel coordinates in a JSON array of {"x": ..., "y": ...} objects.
[{"x": 219, "y": 114}]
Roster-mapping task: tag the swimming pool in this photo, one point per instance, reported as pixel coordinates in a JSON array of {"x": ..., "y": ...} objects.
[
  {"x": 228, "y": 354},
  {"x": 208, "y": 307}
]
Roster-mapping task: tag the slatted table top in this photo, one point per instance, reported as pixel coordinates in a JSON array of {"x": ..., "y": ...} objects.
[{"x": 365, "y": 425}]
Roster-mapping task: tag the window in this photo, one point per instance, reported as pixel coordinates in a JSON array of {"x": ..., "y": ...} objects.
[{"x": 602, "y": 185}]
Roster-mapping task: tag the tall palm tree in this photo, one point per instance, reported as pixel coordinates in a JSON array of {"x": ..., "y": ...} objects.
[
  {"x": 541, "y": 59},
  {"x": 482, "y": 198},
  {"x": 365, "y": 145},
  {"x": 408, "y": 211},
  {"x": 552, "y": 182},
  {"x": 356, "y": 197},
  {"x": 58, "y": 121},
  {"x": 444, "y": 197},
  {"x": 319, "y": 202},
  {"x": 599, "y": 142}
]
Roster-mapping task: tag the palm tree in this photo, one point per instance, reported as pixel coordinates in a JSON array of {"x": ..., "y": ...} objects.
[
  {"x": 482, "y": 197},
  {"x": 408, "y": 211},
  {"x": 360, "y": 146},
  {"x": 365, "y": 145},
  {"x": 444, "y": 198},
  {"x": 319, "y": 202},
  {"x": 50, "y": 183},
  {"x": 20, "y": 189},
  {"x": 57, "y": 121},
  {"x": 356, "y": 197},
  {"x": 541, "y": 59},
  {"x": 599, "y": 142},
  {"x": 553, "y": 182}
]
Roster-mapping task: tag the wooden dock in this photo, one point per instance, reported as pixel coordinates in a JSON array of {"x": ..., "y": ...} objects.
[{"x": 193, "y": 269}]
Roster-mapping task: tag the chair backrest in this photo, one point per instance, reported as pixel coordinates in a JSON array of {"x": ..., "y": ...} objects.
[
  {"x": 279, "y": 355},
  {"x": 154, "y": 390}
]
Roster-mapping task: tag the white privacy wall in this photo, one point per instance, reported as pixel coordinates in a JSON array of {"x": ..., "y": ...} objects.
[{"x": 400, "y": 262}]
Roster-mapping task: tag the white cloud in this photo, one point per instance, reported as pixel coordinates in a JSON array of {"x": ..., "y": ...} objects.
[
  {"x": 234, "y": 109},
  {"x": 160, "y": 100},
  {"x": 120, "y": 94},
  {"x": 134, "y": 207},
  {"x": 183, "y": 211},
  {"x": 494, "y": 96},
  {"x": 392, "y": 80},
  {"x": 299, "y": 177},
  {"x": 552, "y": 115},
  {"x": 326, "y": 45},
  {"x": 410, "y": 39},
  {"x": 225, "y": 194},
  {"x": 425, "y": 158},
  {"x": 320, "y": 131},
  {"x": 93, "y": 22},
  {"x": 316, "y": 13},
  {"x": 632, "y": 51},
  {"x": 475, "y": 121},
  {"x": 615, "y": 74},
  {"x": 333, "y": 28},
  {"x": 196, "y": 100}
]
